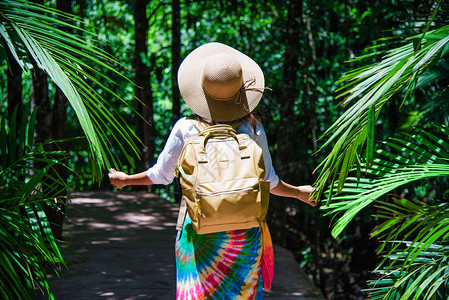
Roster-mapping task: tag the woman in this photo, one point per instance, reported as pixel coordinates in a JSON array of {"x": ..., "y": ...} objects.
[{"x": 221, "y": 85}]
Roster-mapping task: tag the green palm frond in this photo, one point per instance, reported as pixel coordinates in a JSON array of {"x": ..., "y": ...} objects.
[
  {"x": 374, "y": 85},
  {"x": 415, "y": 247},
  {"x": 32, "y": 34},
  {"x": 27, "y": 245},
  {"x": 398, "y": 161}
]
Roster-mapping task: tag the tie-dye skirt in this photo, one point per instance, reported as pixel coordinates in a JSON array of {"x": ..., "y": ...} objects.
[{"x": 222, "y": 265}]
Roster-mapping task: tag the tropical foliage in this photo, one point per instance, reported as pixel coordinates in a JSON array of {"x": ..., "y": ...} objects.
[
  {"x": 377, "y": 83},
  {"x": 30, "y": 173},
  {"x": 31, "y": 32},
  {"x": 415, "y": 251},
  {"x": 26, "y": 184},
  {"x": 414, "y": 233},
  {"x": 399, "y": 84}
]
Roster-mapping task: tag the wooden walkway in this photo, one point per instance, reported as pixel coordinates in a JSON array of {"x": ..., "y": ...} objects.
[{"x": 125, "y": 243}]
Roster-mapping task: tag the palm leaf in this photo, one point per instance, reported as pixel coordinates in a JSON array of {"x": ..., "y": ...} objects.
[
  {"x": 74, "y": 65},
  {"x": 398, "y": 161},
  {"x": 415, "y": 250},
  {"x": 375, "y": 84},
  {"x": 26, "y": 242}
]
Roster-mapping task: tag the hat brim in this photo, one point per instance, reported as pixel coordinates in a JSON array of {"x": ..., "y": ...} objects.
[{"x": 189, "y": 81}]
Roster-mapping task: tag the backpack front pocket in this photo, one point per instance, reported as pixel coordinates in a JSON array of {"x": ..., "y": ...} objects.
[{"x": 229, "y": 208}]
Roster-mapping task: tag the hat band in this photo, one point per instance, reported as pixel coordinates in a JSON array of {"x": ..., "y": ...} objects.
[
  {"x": 218, "y": 98},
  {"x": 246, "y": 86}
]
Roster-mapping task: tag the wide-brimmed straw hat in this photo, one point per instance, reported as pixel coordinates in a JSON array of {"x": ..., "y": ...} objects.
[{"x": 220, "y": 83}]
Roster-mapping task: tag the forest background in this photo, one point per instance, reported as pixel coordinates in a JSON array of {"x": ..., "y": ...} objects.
[{"x": 304, "y": 48}]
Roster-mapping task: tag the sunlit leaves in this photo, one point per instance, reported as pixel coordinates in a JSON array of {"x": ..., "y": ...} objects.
[
  {"x": 398, "y": 161},
  {"x": 32, "y": 34},
  {"x": 373, "y": 86},
  {"x": 414, "y": 235},
  {"x": 415, "y": 251}
]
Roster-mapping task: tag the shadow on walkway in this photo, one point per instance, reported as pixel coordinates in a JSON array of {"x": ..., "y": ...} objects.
[{"x": 125, "y": 247}]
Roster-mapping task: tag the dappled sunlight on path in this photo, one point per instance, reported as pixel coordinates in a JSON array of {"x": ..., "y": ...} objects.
[{"x": 125, "y": 250}]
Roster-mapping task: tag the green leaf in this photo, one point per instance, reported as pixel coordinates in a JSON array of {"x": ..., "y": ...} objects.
[
  {"x": 74, "y": 65},
  {"x": 374, "y": 85},
  {"x": 370, "y": 139}
]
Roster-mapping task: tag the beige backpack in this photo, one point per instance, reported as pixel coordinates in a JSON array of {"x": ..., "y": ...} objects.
[{"x": 222, "y": 179}]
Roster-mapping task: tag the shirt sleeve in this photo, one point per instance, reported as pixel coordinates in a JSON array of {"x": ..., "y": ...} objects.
[{"x": 163, "y": 172}]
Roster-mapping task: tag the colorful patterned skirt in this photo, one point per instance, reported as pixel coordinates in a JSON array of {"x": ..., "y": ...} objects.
[{"x": 222, "y": 265}]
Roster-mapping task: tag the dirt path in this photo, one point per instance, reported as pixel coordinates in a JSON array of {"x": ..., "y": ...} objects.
[{"x": 126, "y": 243}]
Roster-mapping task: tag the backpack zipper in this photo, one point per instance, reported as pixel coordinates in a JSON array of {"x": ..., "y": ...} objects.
[{"x": 198, "y": 193}]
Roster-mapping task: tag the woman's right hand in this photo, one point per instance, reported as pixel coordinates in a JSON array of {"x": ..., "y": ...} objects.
[
  {"x": 305, "y": 192},
  {"x": 302, "y": 192},
  {"x": 117, "y": 179}
]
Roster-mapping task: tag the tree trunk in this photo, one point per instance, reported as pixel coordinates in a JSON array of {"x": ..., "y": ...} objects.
[
  {"x": 14, "y": 76},
  {"x": 176, "y": 60},
  {"x": 43, "y": 133},
  {"x": 49, "y": 126},
  {"x": 39, "y": 96},
  {"x": 289, "y": 90},
  {"x": 144, "y": 106},
  {"x": 59, "y": 132},
  {"x": 59, "y": 128},
  {"x": 288, "y": 95},
  {"x": 60, "y": 101},
  {"x": 40, "y": 99}
]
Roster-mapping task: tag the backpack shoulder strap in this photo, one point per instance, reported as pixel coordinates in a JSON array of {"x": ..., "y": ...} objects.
[
  {"x": 182, "y": 214},
  {"x": 201, "y": 126},
  {"x": 218, "y": 128}
]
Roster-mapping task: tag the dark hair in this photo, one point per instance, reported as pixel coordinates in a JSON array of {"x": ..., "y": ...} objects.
[{"x": 253, "y": 119}]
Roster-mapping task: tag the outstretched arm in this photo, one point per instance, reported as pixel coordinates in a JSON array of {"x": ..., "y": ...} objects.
[
  {"x": 121, "y": 179},
  {"x": 302, "y": 192}
]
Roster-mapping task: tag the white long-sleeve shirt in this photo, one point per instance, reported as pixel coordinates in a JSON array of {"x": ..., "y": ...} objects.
[{"x": 163, "y": 172}]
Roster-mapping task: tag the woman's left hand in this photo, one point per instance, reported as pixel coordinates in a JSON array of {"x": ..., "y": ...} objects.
[{"x": 304, "y": 194}]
